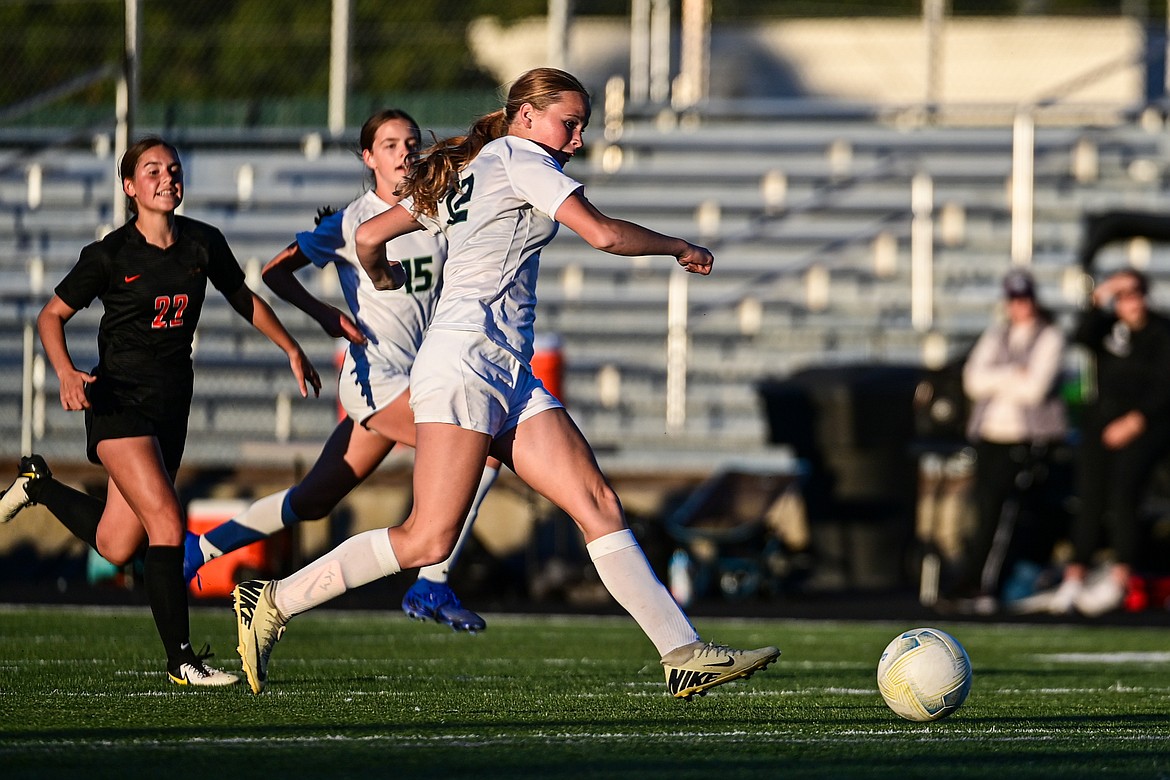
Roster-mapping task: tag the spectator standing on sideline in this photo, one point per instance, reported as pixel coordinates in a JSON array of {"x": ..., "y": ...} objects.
[
  {"x": 499, "y": 194},
  {"x": 1012, "y": 379},
  {"x": 384, "y": 329},
  {"x": 151, "y": 276},
  {"x": 1125, "y": 432}
]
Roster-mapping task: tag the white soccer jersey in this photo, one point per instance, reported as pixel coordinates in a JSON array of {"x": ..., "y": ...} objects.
[
  {"x": 496, "y": 223},
  {"x": 393, "y": 320}
]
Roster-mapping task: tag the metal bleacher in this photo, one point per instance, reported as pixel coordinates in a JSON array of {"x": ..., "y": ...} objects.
[{"x": 809, "y": 219}]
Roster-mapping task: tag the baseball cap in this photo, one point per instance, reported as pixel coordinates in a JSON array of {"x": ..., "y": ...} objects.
[{"x": 1019, "y": 284}]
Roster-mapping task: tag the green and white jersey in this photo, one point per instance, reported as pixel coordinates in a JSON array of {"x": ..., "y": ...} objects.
[
  {"x": 393, "y": 320},
  {"x": 496, "y": 221}
]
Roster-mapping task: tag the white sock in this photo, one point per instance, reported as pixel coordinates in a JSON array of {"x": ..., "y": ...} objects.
[
  {"x": 208, "y": 549},
  {"x": 437, "y": 572},
  {"x": 356, "y": 561},
  {"x": 263, "y": 518},
  {"x": 627, "y": 576}
]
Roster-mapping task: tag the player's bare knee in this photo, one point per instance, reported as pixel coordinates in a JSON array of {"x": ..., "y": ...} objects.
[
  {"x": 608, "y": 505},
  {"x": 601, "y": 515},
  {"x": 116, "y": 551}
]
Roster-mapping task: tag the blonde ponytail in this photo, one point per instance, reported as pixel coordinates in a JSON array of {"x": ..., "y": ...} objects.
[{"x": 437, "y": 171}]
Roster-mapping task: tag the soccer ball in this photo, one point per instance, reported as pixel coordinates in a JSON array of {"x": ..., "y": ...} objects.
[{"x": 924, "y": 674}]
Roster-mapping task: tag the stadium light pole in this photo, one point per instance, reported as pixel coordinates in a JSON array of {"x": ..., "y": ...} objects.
[
  {"x": 1023, "y": 185},
  {"x": 922, "y": 252},
  {"x": 126, "y": 99},
  {"x": 650, "y": 51},
  {"x": 27, "y": 385},
  {"x": 339, "y": 66},
  {"x": 695, "y": 54},
  {"x": 659, "y": 51},
  {"x": 933, "y": 13},
  {"x": 640, "y": 51},
  {"x": 677, "y": 302},
  {"x": 560, "y": 15}
]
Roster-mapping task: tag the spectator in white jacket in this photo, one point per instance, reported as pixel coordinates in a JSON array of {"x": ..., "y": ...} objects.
[{"x": 1012, "y": 379}]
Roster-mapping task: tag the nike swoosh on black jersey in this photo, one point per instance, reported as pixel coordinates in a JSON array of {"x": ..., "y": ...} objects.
[{"x": 128, "y": 279}]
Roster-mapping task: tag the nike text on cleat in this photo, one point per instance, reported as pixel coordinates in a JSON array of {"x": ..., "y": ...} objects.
[
  {"x": 697, "y": 667},
  {"x": 199, "y": 674},
  {"x": 427, "y": 600},
  {"x": 15, "y": 498},
  {"x": 259, "y": 626}
]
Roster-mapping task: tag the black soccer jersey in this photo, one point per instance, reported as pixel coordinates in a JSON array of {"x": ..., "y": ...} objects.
[{"x": 153, "y": 298}]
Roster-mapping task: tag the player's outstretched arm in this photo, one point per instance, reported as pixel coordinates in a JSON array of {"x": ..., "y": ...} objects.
[
  {"x": 253, "y": 308},
  {"x": 280, "y": 276},
  {"x": 371, "y": 238},
  {"x": 620, "y": 237}
]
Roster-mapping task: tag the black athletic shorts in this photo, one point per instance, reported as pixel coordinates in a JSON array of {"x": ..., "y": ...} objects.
[{"x": 111, "y": 418}]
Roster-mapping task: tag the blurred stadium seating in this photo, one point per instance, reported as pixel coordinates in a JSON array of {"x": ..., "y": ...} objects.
[{"x": 809, "y": 218}]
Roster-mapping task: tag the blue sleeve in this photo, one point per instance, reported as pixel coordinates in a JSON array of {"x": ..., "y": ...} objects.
[{"x": 323, "y": 244}]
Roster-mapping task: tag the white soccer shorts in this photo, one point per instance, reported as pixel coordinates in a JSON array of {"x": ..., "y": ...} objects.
[{"x": 461, "y": 378}]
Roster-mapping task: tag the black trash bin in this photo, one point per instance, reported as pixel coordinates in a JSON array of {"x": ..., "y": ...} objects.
[{"x": 855, "y": 427}]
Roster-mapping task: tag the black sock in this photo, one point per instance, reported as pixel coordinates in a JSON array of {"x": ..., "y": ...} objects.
[
  {"x": 167, "y": 592},
  {"x": 77, "y": 511}
]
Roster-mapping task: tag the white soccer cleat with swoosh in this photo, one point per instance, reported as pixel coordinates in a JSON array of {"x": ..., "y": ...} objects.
[{"x": 696, "y": 668}]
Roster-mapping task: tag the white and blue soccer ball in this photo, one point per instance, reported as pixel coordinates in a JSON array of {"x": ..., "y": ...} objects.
[{"x": 924, "y": 674}]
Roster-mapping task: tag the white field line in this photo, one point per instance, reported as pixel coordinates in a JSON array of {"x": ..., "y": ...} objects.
[
  {"x": 1105, "y": 658},
  {"x": 925, "y": 734},
  {"x": 635, "y": 689},
  {"x": 515, "y": 618}
]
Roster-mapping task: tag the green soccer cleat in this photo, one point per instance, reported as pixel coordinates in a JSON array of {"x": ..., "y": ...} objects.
[
  {"x": 259, "y": 626},
  {"x": 696, "y": 668}
]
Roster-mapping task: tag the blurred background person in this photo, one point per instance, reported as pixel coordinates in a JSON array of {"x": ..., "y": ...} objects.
[
  {"x": 1125, "y": 432},
  {"x": 1012, "y": 379}
]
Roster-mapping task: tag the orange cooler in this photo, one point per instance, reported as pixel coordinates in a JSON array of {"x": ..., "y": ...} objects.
[
  {"x": 548, "y": 364},
  {"x": 218, "y": 577}
]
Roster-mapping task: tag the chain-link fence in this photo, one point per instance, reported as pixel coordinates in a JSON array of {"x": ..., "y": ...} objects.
[
  {"x": 241, "y": 62},
  {"x": 248, "y": 63}
]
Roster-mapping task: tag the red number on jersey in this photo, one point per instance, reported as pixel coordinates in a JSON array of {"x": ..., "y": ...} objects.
[
  {"x": 180, "y": 307},
  {"x": 162, "y": 304}
]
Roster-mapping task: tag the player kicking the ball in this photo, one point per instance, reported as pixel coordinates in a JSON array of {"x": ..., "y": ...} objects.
[{"x": 499, "y": 194}]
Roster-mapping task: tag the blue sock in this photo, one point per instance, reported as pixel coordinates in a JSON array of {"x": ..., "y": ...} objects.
[{"x": 232, "y": 536}]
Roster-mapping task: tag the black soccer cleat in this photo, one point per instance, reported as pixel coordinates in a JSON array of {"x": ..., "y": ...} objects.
[{"x": 15, "y": 498}]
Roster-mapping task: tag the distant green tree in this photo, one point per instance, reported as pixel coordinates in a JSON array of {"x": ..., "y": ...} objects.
[
  {"x": 256, "y": 49},
  {"x": 45, "y": 44}
]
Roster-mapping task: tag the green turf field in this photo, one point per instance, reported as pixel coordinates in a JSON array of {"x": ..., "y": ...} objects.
[{"x": 83, "y": 694}]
